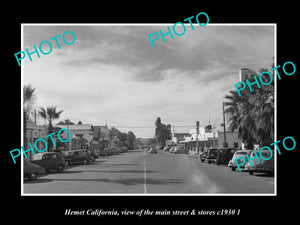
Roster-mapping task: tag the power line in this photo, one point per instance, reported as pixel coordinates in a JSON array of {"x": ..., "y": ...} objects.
[{"x": 152, "y": 127}]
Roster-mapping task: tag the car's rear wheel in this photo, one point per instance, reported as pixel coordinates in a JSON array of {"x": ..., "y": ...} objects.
[
  {"x": 233, "y": 168},
  {"x": 32, "y": 176},
  {"x": 60, "y": 168}
]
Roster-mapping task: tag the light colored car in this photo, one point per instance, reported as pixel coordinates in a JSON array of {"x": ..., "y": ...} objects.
[
  {"x": 167, "y": 148},
  {"x": 265, "y": 166},
  {"x": 180, "y": 149},
  {"x": 153, "y": 150},
  {"x": 172, "y": 149},
  {"x": 236, "y": 155}
]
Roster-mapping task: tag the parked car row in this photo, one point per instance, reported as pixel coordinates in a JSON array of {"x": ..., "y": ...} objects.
[
  {"x": 78, "y": 157},
  {"x": 42, "y": 163},
  {"x": 45, "y": 162},
  {"x": 176, "y": 149},
  {"x": 113, "y": 151},
  {"x": 228, "y": 157},
  {"x": 218, "y": 156}
]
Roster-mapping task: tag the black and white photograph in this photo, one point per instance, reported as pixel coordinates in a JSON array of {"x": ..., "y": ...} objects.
[
  {"x": 149, "y": 113},
  {"x": 148, "y": 117}
]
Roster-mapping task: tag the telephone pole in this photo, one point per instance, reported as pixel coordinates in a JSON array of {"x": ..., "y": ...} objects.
[
  {"x": 197, "y": 133},
  {"x": 224, "y": 143}
]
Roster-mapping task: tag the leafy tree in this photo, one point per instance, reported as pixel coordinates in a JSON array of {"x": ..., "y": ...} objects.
[
  {"x": 122, "y": 138},
  {"x": 162, "y": 132},
  {"x": 113, "y": 135},
  {"x": 79, "y": 123},
  {"x": 131, "y": 139},
  {"x": 28, "y": 100}
]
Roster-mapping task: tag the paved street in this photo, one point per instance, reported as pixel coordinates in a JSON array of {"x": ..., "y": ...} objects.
[{"x": 140, "y": 172}]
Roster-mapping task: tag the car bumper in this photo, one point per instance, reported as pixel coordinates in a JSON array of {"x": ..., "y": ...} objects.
[
  {"x": 263, "y": 169},
  {"x": 211, "y": 160}
]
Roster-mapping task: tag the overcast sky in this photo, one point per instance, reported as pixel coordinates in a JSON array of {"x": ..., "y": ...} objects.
[{"x": 112, "y": 74}]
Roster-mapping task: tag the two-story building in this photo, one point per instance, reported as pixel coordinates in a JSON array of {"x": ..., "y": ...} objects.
[{"x": 34, "y": 132}]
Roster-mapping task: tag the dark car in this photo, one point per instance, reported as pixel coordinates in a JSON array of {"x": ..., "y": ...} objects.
[
  {"x": 32, "y": 171},
  {"x": 102, "y": 152},
  {"x": 203, "y": 155},
  {"x": 110, "y": 151},
  {"x": 49, "y": 161},
  {"x": 75, "y": 157},
  {"x": 211, "y": 155},
  {"x": 224, "y": 155},
  {"x": 94, "y": 155},
  {"x": 90, "y": 156}
]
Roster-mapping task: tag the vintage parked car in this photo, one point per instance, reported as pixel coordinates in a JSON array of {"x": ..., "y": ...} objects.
[
  {"x": 153, "y": 150},
  {"x": 236, "y": 155},
  {"x": 224, "y": 155},
  {"x": 112, "y": 151},
  {"x": 180, "y": 149},
  {"x": 94, "y": 155},
  {"x": 102, "y": 152},
  {"x": 89, "y": 155},
  {"x": 167, "y": 148},
  {"x": 32, "y": 171},
  {"x": 265, "y": 166},
  {"x": 124, "y": 149},
  {"x": 211, "y": 155},
  {"x": 76, "y": 156},
  {"x": 203, "y": 155},
  {"x": 172, "y": 149},
  {"x": 49, "y": 161}
]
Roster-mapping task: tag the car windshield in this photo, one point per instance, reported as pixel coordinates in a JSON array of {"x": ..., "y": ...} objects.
[
  {"x": 53, "y": 156},
  {"x": 37, "y": 157},
  {"x": 26, "y": 162}
]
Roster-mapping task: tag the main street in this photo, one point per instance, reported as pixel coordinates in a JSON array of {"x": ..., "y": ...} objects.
[{"x": 140, "y": 172}]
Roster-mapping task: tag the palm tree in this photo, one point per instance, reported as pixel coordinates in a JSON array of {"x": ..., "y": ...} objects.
[
  {"x": 240, "y": 119},
  {"x": 65, "y": 122},
  {"x": 28, "y": 100},
  {"x": 263, "y": 112},
  {"x": 252, "y": 114},
  {"x": 50, "y": 114}
]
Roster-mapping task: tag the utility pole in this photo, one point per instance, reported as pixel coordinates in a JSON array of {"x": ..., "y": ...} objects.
[
  {"x": 197, "y": 133},
  {"x": 224, "y": 143}
]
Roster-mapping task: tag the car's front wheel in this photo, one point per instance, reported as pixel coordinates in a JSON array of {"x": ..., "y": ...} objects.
[
  {"x": 233, "y": 168},
  {"x": 32, "y": 176}
]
